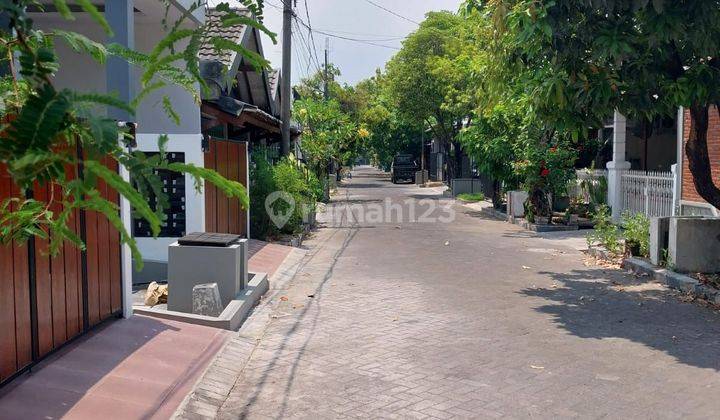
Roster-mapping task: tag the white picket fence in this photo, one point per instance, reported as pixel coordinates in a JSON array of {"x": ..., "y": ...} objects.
[
  {"x": 650, "y": 193},
  {"x": 576, "y": 190}
]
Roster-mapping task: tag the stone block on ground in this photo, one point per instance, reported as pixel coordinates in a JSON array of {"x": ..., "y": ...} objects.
[
  {"x": 206, "y": 300},
  {"x": 694, "y": 244}
]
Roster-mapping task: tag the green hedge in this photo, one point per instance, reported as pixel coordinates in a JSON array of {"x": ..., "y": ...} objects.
[{"x": 287, "y": 176}]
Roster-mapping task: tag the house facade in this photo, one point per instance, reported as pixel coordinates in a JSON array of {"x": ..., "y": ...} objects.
[
  {"x": 649, "y": 172},
  {"x": 50, "y": 300},
  {"x": 690, "y": 202}
]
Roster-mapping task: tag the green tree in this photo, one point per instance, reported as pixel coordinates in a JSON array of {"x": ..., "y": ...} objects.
[
  {"x": 330, "y": 135},
  {"x": 389, "y": 131},
  {"x": 644, "y": 58},
  {"x": 43, "y": 125},
  {"x": 427, "y": 85}
]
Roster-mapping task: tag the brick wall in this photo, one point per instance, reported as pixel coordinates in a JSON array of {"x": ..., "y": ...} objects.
[{"x": 688, "y": 187}]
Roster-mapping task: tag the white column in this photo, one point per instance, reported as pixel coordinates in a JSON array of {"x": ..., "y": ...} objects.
[
  {"x": 617, "y": 165},
  {"x": 678, "y": 167},
  {"x": 676, "y": 189},
  {"x": 126, "y": 257},
  {"x": 120, "y": 14}
]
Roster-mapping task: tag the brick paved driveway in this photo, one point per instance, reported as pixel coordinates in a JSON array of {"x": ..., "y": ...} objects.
[{"x": 474, "y": 318}]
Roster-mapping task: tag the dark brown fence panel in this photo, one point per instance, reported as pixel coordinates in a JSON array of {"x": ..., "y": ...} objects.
[
  {"x": 211, "y": 191},
  {"x": 43, "y": 287},
  {"x": 233, "y": 171},
  {"x": 15, "y": 337},
  {"x": 103, "y": 259},
  {"x": 60, "y": 296},
  {"x": 229, "y": 159},
  {"x": 221, "y": 160}
]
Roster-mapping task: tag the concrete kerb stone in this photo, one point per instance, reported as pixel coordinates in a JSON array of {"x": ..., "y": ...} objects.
[
  {"x": 492, "y": 212},
  {"x": 671, "y": 279}
]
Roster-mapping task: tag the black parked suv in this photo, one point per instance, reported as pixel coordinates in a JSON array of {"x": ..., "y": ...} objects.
[{"x": 403, "y": 167}]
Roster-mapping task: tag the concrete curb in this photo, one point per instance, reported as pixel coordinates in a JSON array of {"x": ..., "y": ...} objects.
[
  {"x": 232, "y": 316},
  {"x": 671, "y": 279},
  {"x": 489, "y": 211}
]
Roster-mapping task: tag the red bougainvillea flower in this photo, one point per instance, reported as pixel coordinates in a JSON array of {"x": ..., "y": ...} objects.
[
  {"x": 553, "y": 149},
  {"x": 545, "y": 172}
]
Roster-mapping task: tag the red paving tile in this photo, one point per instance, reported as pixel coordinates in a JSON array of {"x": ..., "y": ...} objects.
[
  {"x": 265, "y": 257},
  {"x": 130, "y": 369}
]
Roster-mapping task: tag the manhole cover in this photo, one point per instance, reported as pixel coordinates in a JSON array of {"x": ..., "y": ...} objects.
[{"x": 209, "y": 239}]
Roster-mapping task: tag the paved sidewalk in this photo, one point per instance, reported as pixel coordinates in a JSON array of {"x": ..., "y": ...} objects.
[
  {"x": 469, "y": 319},
  {"x": 138, "y": 368}
]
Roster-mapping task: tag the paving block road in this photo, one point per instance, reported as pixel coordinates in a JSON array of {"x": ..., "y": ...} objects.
[{"x": 463, "y": 318}]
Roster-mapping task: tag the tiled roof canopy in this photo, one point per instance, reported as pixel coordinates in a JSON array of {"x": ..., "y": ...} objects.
[
  {"x": 216, "y": 29},
  {"x": 273, "y": 80}
]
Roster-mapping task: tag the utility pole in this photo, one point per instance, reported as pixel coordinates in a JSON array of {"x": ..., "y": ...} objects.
[
  {"x": 326, "y": 89},
  {"x": 286, "y": 87}
]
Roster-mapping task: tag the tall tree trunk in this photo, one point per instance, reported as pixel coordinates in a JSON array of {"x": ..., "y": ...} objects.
[
  {"x": 452, "y": 159},
  {"x": 696, "y": 150},
  {"x": 496, "y": 197}
]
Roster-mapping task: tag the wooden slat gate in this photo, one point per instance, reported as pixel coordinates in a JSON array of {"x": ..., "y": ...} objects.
[
  {"x": 230, "y": 159},
  {"x": 47, "y": 301}
]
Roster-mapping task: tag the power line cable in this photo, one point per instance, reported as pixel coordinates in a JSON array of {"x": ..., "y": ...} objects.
[
  {"x": 310, "y": 31},
  {"x": 362, "y": 41},
  {"x": 306, "y": 43},
  {"x": 300, "y": 38},
  {"x": 392, "y": 13}
]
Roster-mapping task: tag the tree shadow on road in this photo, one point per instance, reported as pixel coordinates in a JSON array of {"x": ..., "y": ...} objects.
[
  {"x": 309, "y": 315},
  {"x": 599, "y": 303}
]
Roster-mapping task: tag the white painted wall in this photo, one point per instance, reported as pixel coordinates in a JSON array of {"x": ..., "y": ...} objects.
[
  {"x": 150, "y": 116},
  {"x": 82, "y": 73}
]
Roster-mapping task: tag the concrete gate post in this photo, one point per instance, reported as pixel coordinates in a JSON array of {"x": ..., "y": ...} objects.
[{"x": 617, "y": 166}]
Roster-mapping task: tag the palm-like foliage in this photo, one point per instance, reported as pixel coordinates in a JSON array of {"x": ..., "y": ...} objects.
[{"x": 44, "y": 128}]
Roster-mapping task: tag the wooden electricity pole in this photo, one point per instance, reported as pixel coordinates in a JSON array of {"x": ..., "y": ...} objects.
[{"x": 286, "y": 87}]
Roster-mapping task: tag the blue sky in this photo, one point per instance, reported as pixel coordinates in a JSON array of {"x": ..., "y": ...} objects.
[{"x": 357, "y": 19}]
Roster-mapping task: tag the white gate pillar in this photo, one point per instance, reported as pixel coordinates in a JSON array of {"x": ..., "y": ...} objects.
[{"x": 617, "y": 166}]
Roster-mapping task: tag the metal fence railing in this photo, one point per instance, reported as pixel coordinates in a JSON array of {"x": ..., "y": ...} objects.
[{"x": 650, "y": 193}]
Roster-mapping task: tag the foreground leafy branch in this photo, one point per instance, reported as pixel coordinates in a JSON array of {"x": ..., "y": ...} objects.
[{"x": 61, "y": 140}]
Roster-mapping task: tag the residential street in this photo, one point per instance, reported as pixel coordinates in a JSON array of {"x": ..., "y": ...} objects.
[{"x": 473, "y": 318}]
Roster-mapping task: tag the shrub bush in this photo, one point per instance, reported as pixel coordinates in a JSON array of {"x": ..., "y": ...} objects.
[
  {"x": 637, "y": 231},
  {"x": 287, "y": 176},
  {"x": 605, "y": 233},
  {"x": 262, "y": 184}
]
